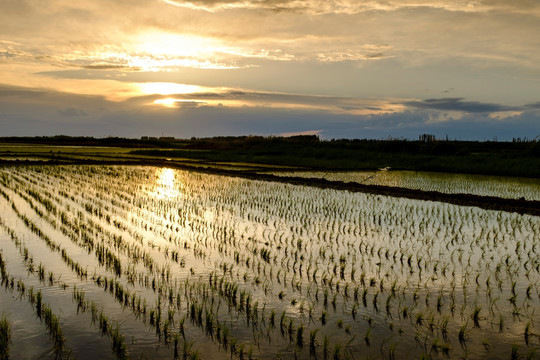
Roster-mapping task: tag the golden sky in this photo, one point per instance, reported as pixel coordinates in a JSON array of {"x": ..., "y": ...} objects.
[{"x": 470, "y": 69}]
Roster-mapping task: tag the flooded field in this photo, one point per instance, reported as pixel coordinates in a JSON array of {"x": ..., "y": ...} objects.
[
  {"x": 483, "y": 185},
  {"x": 147, "y": 262}
]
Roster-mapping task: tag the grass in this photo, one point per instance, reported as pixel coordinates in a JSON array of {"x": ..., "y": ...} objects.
[{"x": 515, "y": 159}]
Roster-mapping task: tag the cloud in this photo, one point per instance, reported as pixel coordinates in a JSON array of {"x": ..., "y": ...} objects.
[
  {"x": 109, "y": 67},
  {"x": 535, "y": 105},
  {"x": 505, "y": 114},
  {"x": 72, "y": 112},
  {"x": 352, "y": 6},
  {"x": 171, "y": 102},
  {"x": 363, "y": 53},
  {"x": 151, "y": 35},
  {"x": 19, "y": 92},
  {"x": 134, "y": 117},
  {"x": 457, "y": 104},
  {"x": 235, "y": 98},
  {"x": 18, "y": 53}
]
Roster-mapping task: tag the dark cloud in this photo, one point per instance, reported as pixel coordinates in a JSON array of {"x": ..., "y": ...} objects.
[
  {"x": 350, "y": 108},
  {"x": 535, "y": 105},
  {"x": 378, "y": 55},
  {"x": 12, "y": 91},
  {"x": 457, "y": 104},
  {"x": 72, "y": 112},
  {"x": 189, "y": 104},
  {"x": 8, "y": 54},
  {"x": 261, "y": 97},
  {"x": 206, "y": 95}
]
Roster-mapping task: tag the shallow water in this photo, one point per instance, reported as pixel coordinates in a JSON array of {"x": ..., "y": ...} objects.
[{"x": 252, "y": 268}]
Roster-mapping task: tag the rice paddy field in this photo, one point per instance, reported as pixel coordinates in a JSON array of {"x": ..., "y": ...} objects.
[
  {"x": 156, "y": 263},
  {"x": 483, "y": 185}
]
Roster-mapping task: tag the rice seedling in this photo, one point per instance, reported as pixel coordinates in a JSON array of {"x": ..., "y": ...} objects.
[
  {"x": 118, "y": 344},
  {"x": 323, "y": 317},
  {"x": 5, "y": 337},
  {"x": 527, "y": 333},
  {"x": 300, "y": 336},
  {"x": 367, "y": 337},
  {"x": 462, "y": 336},
  {"x": 476, "y": 316},
  {"x": 515, "y": 352}
]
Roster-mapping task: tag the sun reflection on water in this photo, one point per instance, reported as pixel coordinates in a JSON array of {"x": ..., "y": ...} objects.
[{"x": 166, "y": 184}]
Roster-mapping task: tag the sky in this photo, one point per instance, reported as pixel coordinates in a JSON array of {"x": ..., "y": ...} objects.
[{"x": 468, "y": 70}]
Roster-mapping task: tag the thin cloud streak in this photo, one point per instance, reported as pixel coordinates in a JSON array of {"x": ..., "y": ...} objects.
[
  {"x": 458, "y": 104},
  {"x": 248, "y": 98},
  {"x": 353, "y": 7}
]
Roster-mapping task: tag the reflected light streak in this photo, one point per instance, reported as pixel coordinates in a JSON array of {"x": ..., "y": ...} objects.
[{"x": 166, "y": 185}]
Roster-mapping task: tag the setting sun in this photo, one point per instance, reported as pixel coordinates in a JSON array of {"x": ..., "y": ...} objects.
[
  {"x": 161, "y": 51},
  {"x": 165, "y": 44}
]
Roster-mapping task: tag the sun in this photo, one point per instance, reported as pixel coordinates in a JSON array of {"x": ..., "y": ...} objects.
[
  {"x": 179, "y": 45},
  {"x": 162, "y": 51}
]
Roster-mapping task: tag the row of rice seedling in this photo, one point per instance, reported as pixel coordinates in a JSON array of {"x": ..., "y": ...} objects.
[
  {"x": 359, "y": 273},
  {"x": 51, "y": 279},
  {"x": 5, "y": 337},
  {"x": 122, "y": 295},
  {"x": 42, "y": 310},
  {"x": 117, "y": 339},
  {"x": 485, "y": 185}
]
